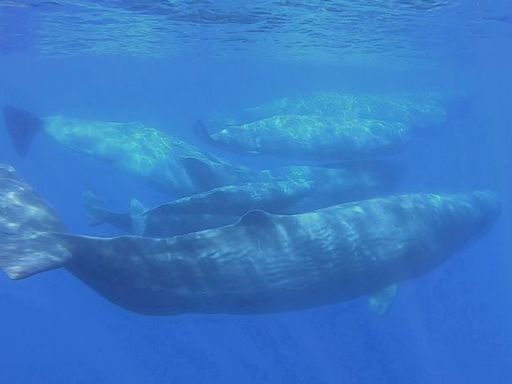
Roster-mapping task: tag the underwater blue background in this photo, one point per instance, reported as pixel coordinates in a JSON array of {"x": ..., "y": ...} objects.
[{"x": 453, "y": 325}]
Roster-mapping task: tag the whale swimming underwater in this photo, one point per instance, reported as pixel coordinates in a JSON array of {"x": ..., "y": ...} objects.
[
  {"x": 308, "y": 137},
  {"x": 421, "y": 111},
  {"x": 280, "y": 192},
  {"x": 166, "y": 162},
  {"x": 329, "y": 126},
  {"x": 262, "y": 263}
]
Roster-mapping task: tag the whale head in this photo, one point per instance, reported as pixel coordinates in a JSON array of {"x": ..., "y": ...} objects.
[{"x": 453, "y": 223}]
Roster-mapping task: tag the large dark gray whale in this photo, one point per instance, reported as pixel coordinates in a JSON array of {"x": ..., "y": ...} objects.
[
  {"x": 289, "y": 189},
  {"x": 262, "y": 263}
]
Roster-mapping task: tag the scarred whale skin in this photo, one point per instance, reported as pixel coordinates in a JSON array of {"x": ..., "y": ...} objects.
[{"x": 263, "y": 263}]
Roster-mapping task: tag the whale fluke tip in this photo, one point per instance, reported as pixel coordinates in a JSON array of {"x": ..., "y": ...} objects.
[
  {"x": 21, "y": 126},
  {"x": 29, "y": 230}
]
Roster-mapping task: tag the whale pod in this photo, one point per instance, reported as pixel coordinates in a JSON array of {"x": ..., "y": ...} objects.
[{"x": 262, "y": 263}]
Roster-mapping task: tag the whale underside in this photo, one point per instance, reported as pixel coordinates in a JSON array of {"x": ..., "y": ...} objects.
[{"x": 262, "y": 263}]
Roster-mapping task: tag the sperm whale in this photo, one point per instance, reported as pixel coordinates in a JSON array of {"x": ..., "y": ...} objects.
[
  {"x": 289, "y": 189},
  {"x": 262, "y": 263},
  {"x": 164, "y": 161}
]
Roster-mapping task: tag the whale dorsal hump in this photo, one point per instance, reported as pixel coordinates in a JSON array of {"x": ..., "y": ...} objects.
[{"x": 256, "y": 218}]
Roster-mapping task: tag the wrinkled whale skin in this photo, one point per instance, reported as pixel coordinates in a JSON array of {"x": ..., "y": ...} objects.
[
  {"x": 263, "y": 263},
  {"x": 268, "y": 263}
]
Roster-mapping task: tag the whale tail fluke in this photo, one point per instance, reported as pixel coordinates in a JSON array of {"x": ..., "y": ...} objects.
[
  {"x": 22, "y": 126},
  {"x": 30, "y": 231},
  {"x": 25, "y": 254}
]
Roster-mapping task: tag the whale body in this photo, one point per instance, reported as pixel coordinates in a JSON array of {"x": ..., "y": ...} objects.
[
  {"x": 308, "y": 137},
  {"x": 262, "y": 263},
  {"x": 281, "y": 191},
  {"x": 421, "y": 111},
  {"x": 162, "y": 160},
  {"x": 329, "y": 126}
]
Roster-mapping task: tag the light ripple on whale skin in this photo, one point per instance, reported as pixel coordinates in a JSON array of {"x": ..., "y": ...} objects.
[{"x": 264, "y": 262}]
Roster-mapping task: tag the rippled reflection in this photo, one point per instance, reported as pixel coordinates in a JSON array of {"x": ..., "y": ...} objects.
[{"x": 341, "y": 30}]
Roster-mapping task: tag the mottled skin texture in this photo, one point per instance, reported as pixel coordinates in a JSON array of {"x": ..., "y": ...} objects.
[
  {"x": 281, "y": 191},
  {"x": 419, "y": 111},
  {"x": 164, "y": 161},
  {"x": 314, "y": 137},
  {"x": 262, "y": 263},
  {"x": 26, "y": 226},
  {"x": 331, "y": 126}
]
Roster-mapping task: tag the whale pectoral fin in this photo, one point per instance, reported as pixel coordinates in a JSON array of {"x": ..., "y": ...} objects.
[
  {"x": 381, "y": 301},
  {"x": 200, "y": 173},
  {"x": 255, "y": 218},
  {"x": 137, "y": 217}
]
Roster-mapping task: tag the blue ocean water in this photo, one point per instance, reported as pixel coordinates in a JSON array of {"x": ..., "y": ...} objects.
[{"x": 170, "y": 63}]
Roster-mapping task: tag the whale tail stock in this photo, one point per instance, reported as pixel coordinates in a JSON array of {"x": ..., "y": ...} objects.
[
  {"x": 22, "y": 126},
  {"x": 30, "y": 232}
]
